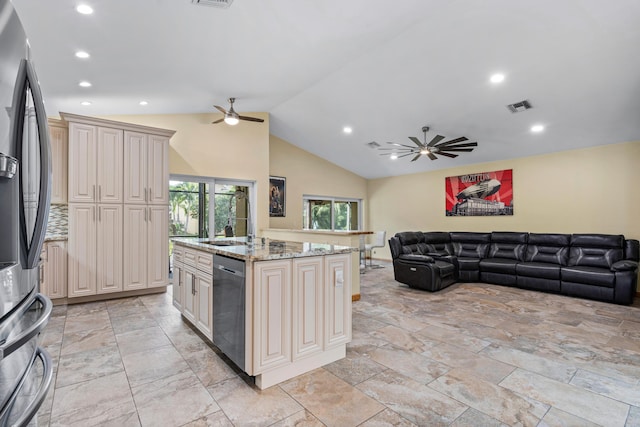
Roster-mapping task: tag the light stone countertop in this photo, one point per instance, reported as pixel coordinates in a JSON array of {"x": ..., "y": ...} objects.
[
  {"x": 55, "y": 237},
  {"x": 271, "y": 250}
]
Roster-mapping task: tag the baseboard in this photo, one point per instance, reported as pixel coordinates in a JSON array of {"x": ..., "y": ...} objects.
[
  {"x": 115, "y": 295},
  {"x": 355, "y": 297}
]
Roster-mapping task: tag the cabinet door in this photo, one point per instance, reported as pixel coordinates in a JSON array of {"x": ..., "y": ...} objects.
[
  {"x": 135, "y": 247},
  {"x": 109, "y": 250},
  {"x": 58, "y": 137},
  {"x": 135, "y": 167},
  {"x": 308, "y": 307},
  {"x": 189, "y": 305},
  {"x": 82, "y": 250},
  {"x": 272, "y": 314},
  {"x": 178, "y": 285},
  {"x": 55, "y": 270},
  {"x": 204, "y": 300},
  {"x": 337, "y": 300},
  {"x": 109, "y": 165},
  {"x": 158, "y": 246},
  {"x": 158, "y": 170},
  {"x": 82, "y": 162}
]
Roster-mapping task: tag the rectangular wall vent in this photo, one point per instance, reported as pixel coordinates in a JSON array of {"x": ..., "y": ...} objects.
[
  {"x": 215, "y": 3},
  {"x": 373, "y": 144},
  {"x": 519, "y": 106}
]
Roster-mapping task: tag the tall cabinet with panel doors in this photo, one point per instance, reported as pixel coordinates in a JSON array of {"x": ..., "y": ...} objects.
[
  {"x": 114, "y": 246},
  {"x": 53, "y": 269},
  {"x": 59, "y": 141}
]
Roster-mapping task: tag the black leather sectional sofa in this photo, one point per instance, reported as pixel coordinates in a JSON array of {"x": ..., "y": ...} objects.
[{"x": 596, "y": 266}]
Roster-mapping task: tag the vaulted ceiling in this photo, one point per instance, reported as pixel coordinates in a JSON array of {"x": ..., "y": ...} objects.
[{"x": 383, "y": 68}]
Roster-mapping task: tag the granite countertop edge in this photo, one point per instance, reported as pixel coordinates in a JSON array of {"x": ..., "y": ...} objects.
[{"x": 260, "y": 252}]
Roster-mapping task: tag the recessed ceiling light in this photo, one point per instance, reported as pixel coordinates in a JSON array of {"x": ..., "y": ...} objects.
[
  {"x": 394, "y": 156},
  {"x": 144, "y": 103},
  {"x": 84, "y": 83},
  {"x": 537, "y": 128},
  {"x": 85, "y": 103},
  {"x": 497, "y": 78},
  {"x": 347, "y": 129},
  {"x": 84, "y": 9},
  {"x": 82, "y": 54}
]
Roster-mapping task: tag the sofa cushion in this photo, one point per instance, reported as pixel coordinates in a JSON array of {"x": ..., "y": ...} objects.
[
  {"x": 508, "y": 245},
  {"x": 416, "y": 258},
  {"x": 588, "y": 275},
  {"x": 541, "y": 270},
  {"x": 498, "y": 265},
  {"x": 438, "y": 242},
  {"x": 470, "y": 245},
  {"x": 596, "y": 250},
  {"x": 548, "y": 248},
  {"x": 469, "y": 264}
]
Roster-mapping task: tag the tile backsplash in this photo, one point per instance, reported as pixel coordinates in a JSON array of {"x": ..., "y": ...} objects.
[{"x": 58, "y": 220}]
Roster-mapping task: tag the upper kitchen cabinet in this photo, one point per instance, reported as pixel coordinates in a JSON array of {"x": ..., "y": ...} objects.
[
  {"x": 146, "y": 168},
  {"x": 59, "y": 140},
  {"x": 95, "y": 164}
]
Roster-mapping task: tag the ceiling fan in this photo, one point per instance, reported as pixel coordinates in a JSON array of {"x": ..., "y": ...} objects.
[
  {"x": 431, "y": 149},
  {"x": 231, "y": 117}
]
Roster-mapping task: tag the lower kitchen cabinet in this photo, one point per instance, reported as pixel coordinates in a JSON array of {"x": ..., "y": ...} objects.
[
  {"x": 95, "y": 249},
  {"x": 177, "y": 278},
  {"x": 146, "y": 251},
  {"x": 53, "y": 270},
  {"x": 195, "y": 289}
]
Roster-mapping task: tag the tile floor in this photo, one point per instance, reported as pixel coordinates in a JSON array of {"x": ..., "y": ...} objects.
[{"x": 472, "y": 355}]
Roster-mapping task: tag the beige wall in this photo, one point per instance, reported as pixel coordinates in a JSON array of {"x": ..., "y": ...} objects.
[
  {"x": 307, "y": 173},
  {"x": 220, "y": 151},
  {"x": 592, "y": 190}
]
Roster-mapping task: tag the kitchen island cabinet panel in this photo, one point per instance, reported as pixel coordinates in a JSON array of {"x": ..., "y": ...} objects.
[{"x": 308, "y": 296}]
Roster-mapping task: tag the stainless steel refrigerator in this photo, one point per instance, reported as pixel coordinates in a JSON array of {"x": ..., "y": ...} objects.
[{"x": 25, "y": 186}]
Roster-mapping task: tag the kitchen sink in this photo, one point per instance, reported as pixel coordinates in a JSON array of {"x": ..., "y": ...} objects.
[{"x": 225, "y": 243}]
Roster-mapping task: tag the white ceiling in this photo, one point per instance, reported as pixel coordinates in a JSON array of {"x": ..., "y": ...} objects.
[{"x": 385, "y": 68}]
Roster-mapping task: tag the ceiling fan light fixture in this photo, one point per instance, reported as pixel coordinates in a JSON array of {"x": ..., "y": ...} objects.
[
  {"x": 424, "y": 151},
  {"x": 231, "y": 119}
]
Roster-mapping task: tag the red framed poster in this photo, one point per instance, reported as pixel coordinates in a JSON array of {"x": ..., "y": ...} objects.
[{"x": 480, "y": 194}]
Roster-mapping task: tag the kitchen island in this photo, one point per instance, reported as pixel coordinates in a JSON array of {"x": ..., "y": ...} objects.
[{"x": 296, "y": 301}]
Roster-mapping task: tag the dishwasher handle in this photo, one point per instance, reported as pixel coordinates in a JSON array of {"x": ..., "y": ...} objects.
[{"x": 230, "y": 271}]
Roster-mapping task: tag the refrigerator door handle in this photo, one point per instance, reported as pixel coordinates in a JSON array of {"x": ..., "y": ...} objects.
[
  {"x": 32, "y": 409},
  {"x": 9, "y": 347}
]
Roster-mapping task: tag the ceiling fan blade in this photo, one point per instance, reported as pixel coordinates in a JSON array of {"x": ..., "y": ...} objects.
[
  {"x": 456, "y": 149},
  {"x": 416, "y": 141},
  {"x": 469, "y": 144},
  {"x": 435, "y": 140},
  {"x": 453, "y": 141},
  {"x": 218, "y": 121},
  {"x": 251, "y": 119},
  {"x": 401, "y": 145},
  {"x": 416, "y": 157},
  {"x": 442, "y": 153},
  {"x": 405, "y": 155},
  {"x": 431, "y": 156},
  {"x": 222, "y": 110}
]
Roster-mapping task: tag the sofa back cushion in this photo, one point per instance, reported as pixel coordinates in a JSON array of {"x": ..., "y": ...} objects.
[
  {"x": 438, "y": 242},
  {"x": 632, "y": 250},
  {"x": 508, "y": 245},
  {"x": 412, "y": 242},
  {"x": 548, "y": 248},
  {"x": 470, "y": 245},
  {"x": 596, "y": 250}
]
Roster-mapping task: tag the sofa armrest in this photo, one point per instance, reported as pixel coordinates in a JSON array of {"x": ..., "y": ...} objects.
[
  {"x": 438, "y": 254},
  {"x": 417, "y": 258},
  {"x": 624, "y": 265}
]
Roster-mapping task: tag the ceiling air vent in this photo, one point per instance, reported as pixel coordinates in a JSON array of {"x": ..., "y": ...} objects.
[
  {"x": 215, "y": 3},
  {"x": 373, "y": 144},
  {"x": 519, "y": 106}
]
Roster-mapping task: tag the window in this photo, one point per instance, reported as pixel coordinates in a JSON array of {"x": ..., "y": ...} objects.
[
  {"x": 232, "y": 209},
  {"x": 188, "y": 209},
  {"x": 330, "y": 213}
]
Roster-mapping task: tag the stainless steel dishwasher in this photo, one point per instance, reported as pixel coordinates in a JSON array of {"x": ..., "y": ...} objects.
[{"x": 229, "y": 307}]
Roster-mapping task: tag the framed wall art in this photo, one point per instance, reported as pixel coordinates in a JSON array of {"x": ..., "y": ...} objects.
[
  {"x": 277, "y": 196},
  {"x": 480, "y": 194}
]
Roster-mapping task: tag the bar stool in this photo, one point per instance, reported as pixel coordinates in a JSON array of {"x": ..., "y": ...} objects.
[{"x": 378, "y": 243}]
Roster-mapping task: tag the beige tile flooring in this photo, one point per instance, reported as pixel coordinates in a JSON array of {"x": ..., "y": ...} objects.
[{"x": 471, "y": 355}]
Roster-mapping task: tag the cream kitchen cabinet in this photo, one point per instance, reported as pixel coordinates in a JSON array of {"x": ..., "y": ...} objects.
[
  {"x": 95, "y": 249},
  {"x": 195, "y": 273},
  {"x": 178, "y": 277},
  {"x": 146, "y": 168},
  {"x": 272, "y": 315},
  {"x": 337, "y": 300},
  {"x": 308, "y": 294},
  {"x": 53, "y": 273},
  {"x": 59, "y": 141},
  {"x": 146, "y": 247},
  {"x": 95, "y": 164}
]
